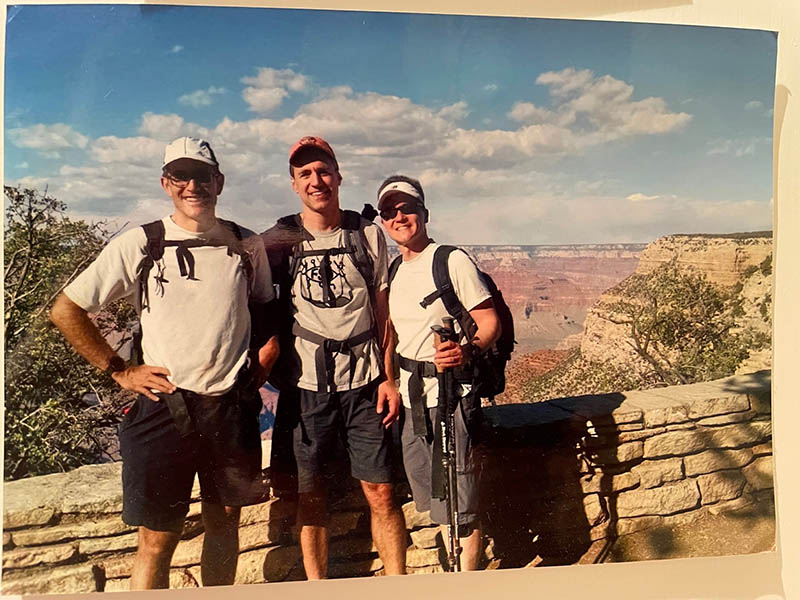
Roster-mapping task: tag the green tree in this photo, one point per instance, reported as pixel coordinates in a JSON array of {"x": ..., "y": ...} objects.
[
  {"x": 681, "y": 325},
  {"x": 48, "y": 424}
]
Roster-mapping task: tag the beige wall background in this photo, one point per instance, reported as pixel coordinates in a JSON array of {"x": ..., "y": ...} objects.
[{"x": 766, "y": 576}]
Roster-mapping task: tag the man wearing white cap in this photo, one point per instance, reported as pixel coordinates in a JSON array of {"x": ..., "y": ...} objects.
[
  {"x": 194, "y": 280},
  {"x": 415, "y": 305}
]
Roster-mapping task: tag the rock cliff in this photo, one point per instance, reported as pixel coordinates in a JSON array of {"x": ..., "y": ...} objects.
[{"x": 739, "y": 263}]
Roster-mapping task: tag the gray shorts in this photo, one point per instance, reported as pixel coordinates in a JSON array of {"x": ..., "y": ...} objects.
[{"x": 417, "y": 454}]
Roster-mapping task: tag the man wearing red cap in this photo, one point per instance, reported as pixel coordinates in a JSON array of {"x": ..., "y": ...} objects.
[
  {"x": 194, "y": 280},
  {"x": 331, "y": 268}
]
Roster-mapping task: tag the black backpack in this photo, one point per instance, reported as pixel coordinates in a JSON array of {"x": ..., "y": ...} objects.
[
  {"x": 489, "y": 369},
  {"x": 284, "y": 245}
]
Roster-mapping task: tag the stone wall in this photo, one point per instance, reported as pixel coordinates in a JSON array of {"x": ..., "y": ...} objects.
[{"x": 562, "y": 480}]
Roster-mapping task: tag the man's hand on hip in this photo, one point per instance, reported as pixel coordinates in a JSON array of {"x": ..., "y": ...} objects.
[{"x": 143, "y": 379}]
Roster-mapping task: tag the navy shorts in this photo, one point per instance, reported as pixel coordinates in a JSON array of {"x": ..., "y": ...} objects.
[
  {"x": 327, "y": 417},
  {"x": 159, "y": 464},
  {"x": 417, "y": 457}
]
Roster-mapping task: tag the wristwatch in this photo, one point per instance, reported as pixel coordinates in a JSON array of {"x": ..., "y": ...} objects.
[{"x": 115, "y": 364}]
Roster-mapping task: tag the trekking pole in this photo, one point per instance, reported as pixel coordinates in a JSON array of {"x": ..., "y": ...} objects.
[{"x": 447, "y": 421}]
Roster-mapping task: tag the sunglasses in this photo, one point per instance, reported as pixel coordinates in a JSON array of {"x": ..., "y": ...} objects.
[
  {"x": 182, "y": 178},
  {"x": 387, "y": 214}
]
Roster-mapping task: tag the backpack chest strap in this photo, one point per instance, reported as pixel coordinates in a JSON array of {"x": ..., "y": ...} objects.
[{"x": 327, "y": 348}]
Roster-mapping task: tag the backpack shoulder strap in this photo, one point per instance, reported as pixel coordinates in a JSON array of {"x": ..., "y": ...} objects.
[
  {"x": 356, "y": 244},
  {"x": 446, "y": 291},
  {"x": 232, "y": 227},
  {"x": 238, "y": 248},
  {"x": 393, "y": 266},
  {"x": 153, "y": 251}
]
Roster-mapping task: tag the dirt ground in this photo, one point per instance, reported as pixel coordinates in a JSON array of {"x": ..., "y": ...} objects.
[{"x": 744, "y": 531}]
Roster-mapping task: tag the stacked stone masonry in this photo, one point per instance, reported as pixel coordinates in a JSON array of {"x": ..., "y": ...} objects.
[{"x": 559, "y": 478}]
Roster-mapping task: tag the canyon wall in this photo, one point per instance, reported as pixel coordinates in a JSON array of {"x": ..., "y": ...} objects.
[{"x": 739, "y": 262}]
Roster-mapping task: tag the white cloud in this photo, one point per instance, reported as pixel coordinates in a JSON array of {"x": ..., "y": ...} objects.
[
  {"x": 200, "y": 98},
  {"x": 168, "y": 127},
  {"x": 136, "y": 150},
  {"x": 754, "y": 105},
  {"x": 639, "y": 197},
  {"x": 175, "y": 49},
  {"x": 487, "y": 186},
  {"x": 454, "y": 112},
  {"x": 47, "y": 138},
  {"x": 267, "y": 90},
  {"x": 592, "y": 110},
  {"x": 526, "y": 112},
  {"x": 491, "y": 87},
  {"x": 737, "y": 147},
  {"x": 264, "y": 100},
  {"x": 22, "y": 165}
]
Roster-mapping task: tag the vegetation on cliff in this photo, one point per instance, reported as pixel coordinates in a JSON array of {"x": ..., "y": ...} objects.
[
  {"x": 48, "y": 424},
  {"x": 669, "y": 326}
]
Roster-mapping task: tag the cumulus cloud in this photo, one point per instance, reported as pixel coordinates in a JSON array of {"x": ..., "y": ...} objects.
[
  {"x": 491, "y": 87},
  {"x": 267, "y": 90},
  {"x": 507, "y": 180},
  {"x": 168, "y": 127},
  {"x": 47, "y": 139},
  {"x": 200, "y": 98},
  {"x": 595, "y": 109},
  {"x": 454, "y": 112},
  {"x": 136, "y": 150},
  {"x": 754, "y": 105},
  {"x": 175, "y": 49},
  {"x": 23, "y": 165}
]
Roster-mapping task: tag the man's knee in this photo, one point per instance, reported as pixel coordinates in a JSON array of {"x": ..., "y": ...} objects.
[
  {"x": 219, "y": 519},
  {"x": 379, "y": 497},
  {"x": 158, "y": 545},
  {"x": 312, "y": 508}
]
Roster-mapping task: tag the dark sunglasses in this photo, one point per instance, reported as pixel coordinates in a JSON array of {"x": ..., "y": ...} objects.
[
  {"x": 182, "y": 178},
  {"x": 387, "y": 214}
]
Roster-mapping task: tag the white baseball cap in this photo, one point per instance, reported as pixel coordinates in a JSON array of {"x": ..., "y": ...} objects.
[
  {"x": 395, "y": 187},
  {"x": 189, "y": 147}
]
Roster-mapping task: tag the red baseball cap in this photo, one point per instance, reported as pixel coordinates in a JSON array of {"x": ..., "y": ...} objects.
[{"x": 312, "y": 141}]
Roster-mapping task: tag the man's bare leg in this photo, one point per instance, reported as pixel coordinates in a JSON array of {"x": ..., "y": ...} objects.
[
  {"x": 312, "y": 516},
  {"x": 388, "y": 526},
  {"x": 220, "y": 544},
  {"x": 471, "y": 547},
  {"x": 151, "y": 565}
]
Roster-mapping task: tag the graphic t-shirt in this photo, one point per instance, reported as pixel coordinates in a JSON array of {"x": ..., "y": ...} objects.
[
  {"x": 412, "y": 282},
  {"x": 198, "y": 327},
  {"x": 339, "y": 309}
]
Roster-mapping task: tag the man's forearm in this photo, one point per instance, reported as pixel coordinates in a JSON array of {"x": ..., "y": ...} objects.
[
  {"x": 82, "y": 333},
  {"x": 386, "y": 335},
  {"x": 268, "y": 353}
]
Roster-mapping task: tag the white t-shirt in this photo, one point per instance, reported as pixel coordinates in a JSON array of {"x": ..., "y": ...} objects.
[
  {"x": 347, "y": 314},
  {"x": 197, "y": 328},
  {"x": 413, "y": 282}
]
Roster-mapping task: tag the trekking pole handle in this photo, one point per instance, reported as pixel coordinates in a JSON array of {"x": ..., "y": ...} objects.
[{"x": 444, "y": 333}]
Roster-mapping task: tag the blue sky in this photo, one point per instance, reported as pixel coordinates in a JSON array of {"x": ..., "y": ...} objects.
[{"x": 527, "y": 131}]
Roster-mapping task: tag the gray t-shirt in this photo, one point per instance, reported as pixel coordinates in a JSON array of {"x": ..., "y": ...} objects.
[
  {"x": 198, "y": 328},
  {"x": 345, "y": 313}
]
